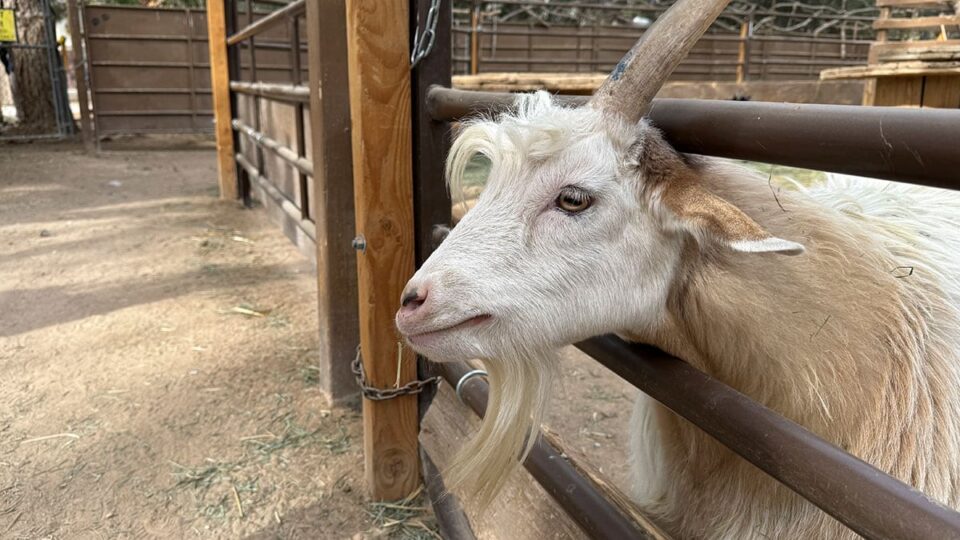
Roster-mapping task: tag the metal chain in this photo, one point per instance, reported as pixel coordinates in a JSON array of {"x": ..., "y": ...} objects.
[
  {"x": 379, "y": 394},
  {"x": 423, "y": 43}
]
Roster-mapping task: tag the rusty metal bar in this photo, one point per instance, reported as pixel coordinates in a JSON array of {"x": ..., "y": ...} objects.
[
  {"x": 296, "y": 78},
  {"x": 147, "y": 37},
  {"x": 273, "y": 19},
  {"x": 279, "y": 92},
  {"x": 289, "y": 207},
  {"x": 576, "y": 494},
  {"x": 158, "y": 112},
  {"x": 854, "y": 492},
  {"x": 273, "y": 45},
  {"x": 917, "y": 146},
  {"x": 301, "y": 164},
  {"x": 451, "y": 520}
]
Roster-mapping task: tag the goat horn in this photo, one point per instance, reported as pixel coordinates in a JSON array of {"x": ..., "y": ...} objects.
[{"x": 629, "y": 90}]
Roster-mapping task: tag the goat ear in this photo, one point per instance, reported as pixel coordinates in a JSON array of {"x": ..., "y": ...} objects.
[{"x": 712, "y": 219}]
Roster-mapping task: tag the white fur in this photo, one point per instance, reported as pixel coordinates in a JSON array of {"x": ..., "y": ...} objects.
[{"x": 855, "y": 338}]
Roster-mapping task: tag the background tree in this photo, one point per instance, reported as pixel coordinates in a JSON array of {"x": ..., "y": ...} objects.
[{"x": 32, "y": 84}]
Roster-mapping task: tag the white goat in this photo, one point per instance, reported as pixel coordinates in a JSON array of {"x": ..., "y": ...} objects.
[{"x": 591, "y": 223}]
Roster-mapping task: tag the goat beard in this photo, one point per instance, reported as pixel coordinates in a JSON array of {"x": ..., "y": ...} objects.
[{"x": 519, "y": 392}]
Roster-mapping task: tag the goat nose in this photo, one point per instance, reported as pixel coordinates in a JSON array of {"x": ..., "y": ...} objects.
[{"x": 413, "y": 298}]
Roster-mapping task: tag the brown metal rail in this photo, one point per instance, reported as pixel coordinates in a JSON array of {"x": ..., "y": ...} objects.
[
  {"x": 917, "y": 146},
  {"x": 280, "y": 92},
  {"x": 857, "y": 494},
  {"x": 578, "y": 495},
  {"x": 291, "y": 10},
  {"x": 288, "y": 155},
  {"x": 451, "y": 519},
  {"x": 289, "y": 207}
]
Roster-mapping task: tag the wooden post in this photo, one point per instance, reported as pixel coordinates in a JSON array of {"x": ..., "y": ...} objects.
[
  {"x": 475, "y": 39},
  {"x": 870, "y": 85},
  {"x": 431, "y": 142},
  {"x": 379, "y": 73},
  {"x": 220, "y": 87},
  {"x": 333, "y": 197},
  {"x": 742, "y": 52},
  {"x": 80, "y": 73}
]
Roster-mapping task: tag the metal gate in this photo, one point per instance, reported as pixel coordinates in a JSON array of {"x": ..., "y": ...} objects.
[
  {"x": 14, "y": 43},
  {"x": 148, "y": 70}
]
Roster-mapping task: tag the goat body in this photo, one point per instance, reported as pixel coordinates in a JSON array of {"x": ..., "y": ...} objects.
[
  {"x": 590, "y": 224},
  {"x": 857, "y": 340}
]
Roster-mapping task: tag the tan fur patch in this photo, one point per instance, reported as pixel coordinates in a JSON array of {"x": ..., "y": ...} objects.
[
  {"x": 681, "y": 189},
  {"x": 692, "y": 203}
]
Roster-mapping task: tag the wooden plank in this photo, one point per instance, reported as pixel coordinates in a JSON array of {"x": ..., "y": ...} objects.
[
  {"x": 379, "y": 75},
  {"x": 330, "y": 151},
  {"x": 918, "y": 22},
  {"x": 913, "y": 3},
  {"x": 906, "y": 51},
  {"x": 80, "y": 74},
  {"x": 899, "y": 92},
  {"x": 220, "y": 88},
  {"x": 742, "y": 51},
  {"x": 566, "y": 83},
  {"x": 891, "y": 69},
  {"x": 942, "y": 91}
]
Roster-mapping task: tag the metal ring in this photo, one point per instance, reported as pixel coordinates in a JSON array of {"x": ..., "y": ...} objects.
[{"x": 466, "y": 377}]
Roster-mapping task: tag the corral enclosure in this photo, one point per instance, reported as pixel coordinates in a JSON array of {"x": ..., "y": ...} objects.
[
  {"x": 508, "y": 47},
  {"x": 284, "y": 144},
  {"x": 149, "y": 67}
]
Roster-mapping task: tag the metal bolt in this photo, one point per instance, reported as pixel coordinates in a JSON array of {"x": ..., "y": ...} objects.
[{"x": 360, "y": 244}]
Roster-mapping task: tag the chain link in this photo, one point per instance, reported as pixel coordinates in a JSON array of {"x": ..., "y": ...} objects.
[
  {"x": 379, "y": 394},
  {"x": 423, "y": 43}
]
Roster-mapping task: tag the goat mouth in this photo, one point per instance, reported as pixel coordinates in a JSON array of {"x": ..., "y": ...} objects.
[{"x": 421, "y": 337}]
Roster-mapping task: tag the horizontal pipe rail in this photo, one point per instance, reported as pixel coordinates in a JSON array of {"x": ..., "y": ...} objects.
[
  {"x": 163, "y": 112},
  {"x": 854, "y": 492},
  {"x": 281, "y": 92},
  {"x": 260, "y": 139},
  {"x": 917, "y": 146},
  {"x": 273, "y": 19},
  {"x": 152, "y": 90},
  {"x": 289, "y": 208},
  {"x": 576, "y": 494},
  {"x": 451, "y": 520}
]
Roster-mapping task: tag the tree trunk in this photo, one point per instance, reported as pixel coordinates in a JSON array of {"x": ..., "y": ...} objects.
[{"x": 32, "y": 87}]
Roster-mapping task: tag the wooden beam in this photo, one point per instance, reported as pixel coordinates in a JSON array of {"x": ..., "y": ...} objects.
[
  {"x": 379, "y": 75},
  {"x": 742, "y": 51},
  {"x": 941, "y": 92},
  {"x": 913, "y": 3},
  {"x": 475, "y": 39},
  {"x": 220, "y": 88},
  {"x": 918, "y": 22},
  {"x": 892, "y": 69},
  {"x": 330, "y": 151},
  {"x": 80, "y": 74},
  {"x": 905, "y": 51}
]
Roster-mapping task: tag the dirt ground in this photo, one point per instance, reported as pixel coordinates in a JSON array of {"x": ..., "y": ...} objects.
[{"x": 157, "y": 364}]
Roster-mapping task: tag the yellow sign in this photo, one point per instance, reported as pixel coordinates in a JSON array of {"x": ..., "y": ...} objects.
[{"x": 8, "y": 25}]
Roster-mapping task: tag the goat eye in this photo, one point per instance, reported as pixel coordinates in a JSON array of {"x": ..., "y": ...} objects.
[{"x": 573, "y": 200}]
